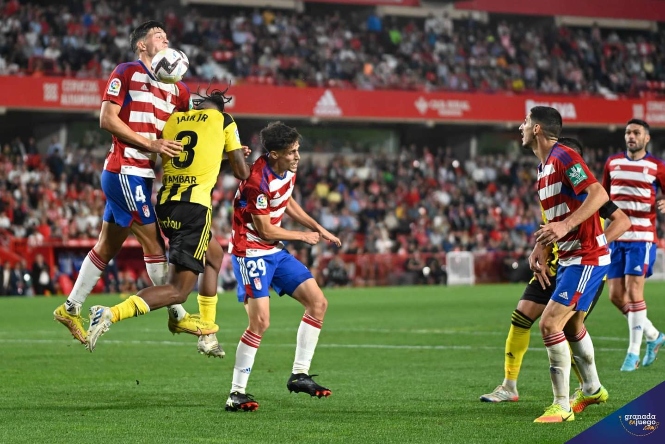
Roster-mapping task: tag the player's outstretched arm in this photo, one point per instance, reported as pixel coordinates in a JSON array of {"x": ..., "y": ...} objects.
[
  {"x": 295, "y": 211},
  {"x": 270, "y": 232},
  {"x": 110, "y": 120},
  {"x": 553, "y": 231}
]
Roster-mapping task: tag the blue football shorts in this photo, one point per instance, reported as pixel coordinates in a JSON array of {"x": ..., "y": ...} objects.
[
  {"x": 631, "y": 258},
  {"x": 281, "y": 271},
  {"x": 577, "y": 285},
  {"x": 128, "y": 199}
]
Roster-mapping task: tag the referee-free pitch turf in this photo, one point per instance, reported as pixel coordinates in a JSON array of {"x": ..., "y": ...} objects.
[{"x": 405, "y": 364}]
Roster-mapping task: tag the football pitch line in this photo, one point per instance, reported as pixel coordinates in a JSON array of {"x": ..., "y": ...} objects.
[{"x": 320, "y": 345}]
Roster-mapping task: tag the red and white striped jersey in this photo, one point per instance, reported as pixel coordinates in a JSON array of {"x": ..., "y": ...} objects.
[
  {"x": 561, "y": 181},
  {"x": 264, "y": 192},
  {"x": 146, "y": 104},
  {"x": 632, "y": 185}
]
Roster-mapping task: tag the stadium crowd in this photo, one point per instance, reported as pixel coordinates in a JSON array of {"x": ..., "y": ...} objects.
[
  {"x": 363, "y": 50},
  {"x": 424, "y": 201}
]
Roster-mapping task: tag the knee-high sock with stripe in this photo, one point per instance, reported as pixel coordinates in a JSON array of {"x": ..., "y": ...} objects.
[
  {"x": 558, "y": 352},
  {"x": 245, "y": 354},
  {"x": 650, "y": 332},
  {"x": 583, "y": 355},
  {"x": 158, "y": 271},
  {"x": 517, "y": 343},
  {"x": 307, "y": 339},
  {"x": 91, "y": 270},
  {"x": 637, "y": 315}
]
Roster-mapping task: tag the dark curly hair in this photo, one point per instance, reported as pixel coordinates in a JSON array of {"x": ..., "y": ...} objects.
[
  {"x": 216, "y": 96},
  {"x": 277, "y": 136}
]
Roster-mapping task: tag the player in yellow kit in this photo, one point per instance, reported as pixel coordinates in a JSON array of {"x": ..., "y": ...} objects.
[
  {"x": 184, "y": 207},
  {"x": 534, "y": 299}
]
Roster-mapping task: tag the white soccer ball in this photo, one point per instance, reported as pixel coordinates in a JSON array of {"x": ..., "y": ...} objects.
[{"x": 170, "y": 65}]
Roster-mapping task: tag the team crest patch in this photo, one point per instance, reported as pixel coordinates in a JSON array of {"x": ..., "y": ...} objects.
[
  {"x": 114, "y": 87},
  {"x": 261, "y": 202},
  {"x": 576, "y": 174},
  {"x": 146, "y": 211},
  {"x": 257, "y": 283}
]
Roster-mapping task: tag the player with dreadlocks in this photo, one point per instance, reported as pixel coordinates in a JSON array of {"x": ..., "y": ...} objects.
[{"x": 184, "y": 213}]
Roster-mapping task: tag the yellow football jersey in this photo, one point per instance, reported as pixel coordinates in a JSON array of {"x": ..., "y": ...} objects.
[{"x": 205, "y": 135}]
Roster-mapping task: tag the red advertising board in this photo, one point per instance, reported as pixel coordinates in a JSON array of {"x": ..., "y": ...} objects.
[
  {"x": 653, "y": 10},
  {"x": 57, "y": 94},
  {"x": 370, "y": 2}
]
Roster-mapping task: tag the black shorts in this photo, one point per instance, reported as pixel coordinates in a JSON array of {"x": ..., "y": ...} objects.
[
  {"x": 535, "y": 293},
  {"x": 187, "y": 227}
]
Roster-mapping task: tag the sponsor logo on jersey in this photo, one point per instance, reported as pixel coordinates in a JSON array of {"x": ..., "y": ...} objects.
[
  {"x": 114, "y": 87},
  {"x": 576, "y": 174},
  {"x": 261, "y": 202}
]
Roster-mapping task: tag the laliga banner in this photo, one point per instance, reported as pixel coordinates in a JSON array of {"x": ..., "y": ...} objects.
[{"x": 267, "y": 101}]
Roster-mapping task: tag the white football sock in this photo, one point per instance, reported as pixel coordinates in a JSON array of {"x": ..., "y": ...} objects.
[
  {"x": 583, "y": 353},
  {"x": 308, "y": 337},
  {"x": 91, "y": 270},
  {"x": 158, "y": 270},
  {"x": 636, "y": 317},
  {"x": 559, "y": 354},
  {"x": 245, "y": 354}
]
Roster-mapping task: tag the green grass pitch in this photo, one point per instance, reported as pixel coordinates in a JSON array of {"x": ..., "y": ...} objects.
[{"x": 405, "y": 364}]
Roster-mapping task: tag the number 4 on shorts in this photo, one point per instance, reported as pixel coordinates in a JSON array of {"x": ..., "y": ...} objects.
[{"x": 139, "y": 196}]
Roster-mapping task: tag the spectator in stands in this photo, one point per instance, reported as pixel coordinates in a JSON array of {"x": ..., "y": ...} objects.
[
  {"x": 41, "y": 276},
  {"x": 336, "y": 273},
  {"x": 19, "y": 280},
  {"x": 414, "y": 266},
  {"x": 5, "y": 273}
]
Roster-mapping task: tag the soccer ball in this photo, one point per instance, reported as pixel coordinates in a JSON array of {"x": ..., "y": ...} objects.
[{"x": 170, "y": 65}]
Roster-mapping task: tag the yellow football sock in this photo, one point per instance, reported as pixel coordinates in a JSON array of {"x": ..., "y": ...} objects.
[
  {"x": 517, "y": 344},
  {"x": 207, "y": 307},
  {"x": 129, "y": 308}
]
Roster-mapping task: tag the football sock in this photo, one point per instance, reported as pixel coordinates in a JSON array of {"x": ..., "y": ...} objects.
[
  {"x": 91, "y": 270},
  {"x": 583, "y": 355},
  {"x": 559, "y": 354},
  {"x": 245, "y": 354},
  {"x": 157, "y": 268},
  {"x": 636, "y": 317},
  {"x": 517, "y": 343},
  {"x": 158, "y": 271},
  {"x": 650, "y": 332},
  {"x": 574, "y": 368},
  {"x": 308, "y": 337},
  {"x": 208, "y": 307},
  {"x": 129, "y": 308}
]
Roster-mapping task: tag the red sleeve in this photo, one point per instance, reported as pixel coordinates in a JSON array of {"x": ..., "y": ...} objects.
[
  {"x": 607, "y": 182},
  {"x": 184, "y": 97},
  {"x": 577, "y": 175},
  {"x": 117, "y": 86},
  {"x": 258, "y": 199}
]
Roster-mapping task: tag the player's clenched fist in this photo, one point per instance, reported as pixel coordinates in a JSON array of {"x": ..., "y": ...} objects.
[
  {"x": 170, "y": 148},
  {"x": 310, "y": 237}
]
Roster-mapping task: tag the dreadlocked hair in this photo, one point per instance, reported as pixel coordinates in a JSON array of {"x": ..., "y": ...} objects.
[{"x": 216, "y": 96}]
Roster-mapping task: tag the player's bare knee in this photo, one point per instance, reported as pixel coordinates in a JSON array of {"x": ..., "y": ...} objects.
[
  {"x": 548, "y": 326},
  {"x": 259, "y": 325}
]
